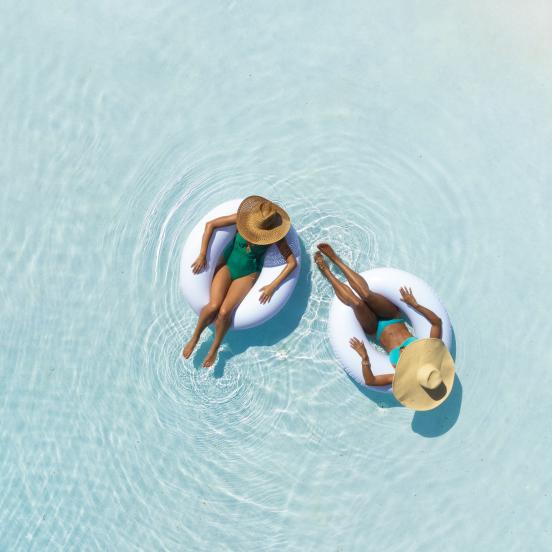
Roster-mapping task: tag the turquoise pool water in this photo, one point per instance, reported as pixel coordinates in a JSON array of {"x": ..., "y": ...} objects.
[{"x": 414, "y": 135}]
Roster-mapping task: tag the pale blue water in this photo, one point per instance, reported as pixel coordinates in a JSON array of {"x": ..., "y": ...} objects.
[{"x": 414, "y": 135}]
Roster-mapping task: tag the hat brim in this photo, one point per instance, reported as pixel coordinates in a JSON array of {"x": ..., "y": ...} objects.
[
  {"x": 251, "y": 232},
  {"x": 406, "y": 387}
]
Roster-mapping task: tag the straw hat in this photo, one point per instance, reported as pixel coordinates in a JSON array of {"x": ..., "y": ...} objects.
[
  {"x": 262, "y": 222},
  {"x": 424, "y": 374}
]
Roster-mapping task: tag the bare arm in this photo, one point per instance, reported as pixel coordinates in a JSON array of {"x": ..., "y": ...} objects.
[
  {"x": 291, "y": 264},
  {"x": 432, "y": 318},
  {"x": 367, "y": 374},
  {"x": 201, "y": 262}
]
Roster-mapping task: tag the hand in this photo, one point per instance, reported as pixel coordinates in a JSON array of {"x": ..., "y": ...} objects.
[
  {"x": 199, "y": 264},
  {"x": 408, "y": 297},
  {"x": 359, "y": 347},
  {"x": 266, "y": 294}
]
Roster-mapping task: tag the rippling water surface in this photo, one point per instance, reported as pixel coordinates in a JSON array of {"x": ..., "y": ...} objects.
[{"x": 409, "y": 135}]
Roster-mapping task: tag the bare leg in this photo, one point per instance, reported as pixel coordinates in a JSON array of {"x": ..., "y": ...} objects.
[
  {"x": 236, "y": 294},
  {"x": 366, "y": 317},
  {"x": 378, "y": 303},
  {"x": 219, "y": 287}
]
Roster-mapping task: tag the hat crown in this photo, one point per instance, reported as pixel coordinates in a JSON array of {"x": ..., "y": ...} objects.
[
  {"x": 268, "y": 216},
  {"x": 262, "y": 222},
  {"x": 429, "y": 376}
]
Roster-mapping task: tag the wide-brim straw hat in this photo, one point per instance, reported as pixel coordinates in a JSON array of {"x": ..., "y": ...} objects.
[
  {"x": 261, "y": 221},
  {"x": 424, "y": 374}
]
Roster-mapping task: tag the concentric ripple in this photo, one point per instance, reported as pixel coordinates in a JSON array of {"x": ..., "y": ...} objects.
[{"x": 382, "y": 131}]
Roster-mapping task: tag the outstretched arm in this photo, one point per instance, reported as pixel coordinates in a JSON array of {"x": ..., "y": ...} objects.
[
  {"x": 432, "y": 318},
  {"x": 201, "y": 262},
  {"x": 367, "y": 374},
  {"x": 291, "y": 264}
]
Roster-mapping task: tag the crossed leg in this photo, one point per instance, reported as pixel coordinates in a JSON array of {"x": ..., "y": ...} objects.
[
  {"x": 382, "y": 307},
  {"x": 219, "y": 287},
  {"x": 236, "y": 294},
  {"x": 364, "y": 314}
]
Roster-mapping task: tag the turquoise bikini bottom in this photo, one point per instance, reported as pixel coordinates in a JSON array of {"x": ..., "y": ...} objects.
[{"x": 395, "y": 353}]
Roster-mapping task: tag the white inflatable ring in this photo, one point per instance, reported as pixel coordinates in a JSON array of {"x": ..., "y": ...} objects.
[
  {"x": 342, "y": 323},
  {"x": 196, "y": 287}
]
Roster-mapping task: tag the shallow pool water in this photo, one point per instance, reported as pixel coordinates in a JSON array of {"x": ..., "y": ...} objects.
[{"x": 413, "y": 135}]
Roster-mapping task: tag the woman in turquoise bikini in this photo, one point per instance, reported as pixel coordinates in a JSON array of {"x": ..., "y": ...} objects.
[
  {"x": 376, "y": 314},
  {"x": 260, "y": 223}
]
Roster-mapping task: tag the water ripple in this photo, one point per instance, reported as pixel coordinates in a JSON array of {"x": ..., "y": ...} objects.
[{"x": 118, "y": 137}]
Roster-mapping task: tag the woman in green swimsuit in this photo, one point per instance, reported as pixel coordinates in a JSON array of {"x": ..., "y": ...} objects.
[
  {"x": 260, "y": 223},
  {"x": 376, "y": 314}
]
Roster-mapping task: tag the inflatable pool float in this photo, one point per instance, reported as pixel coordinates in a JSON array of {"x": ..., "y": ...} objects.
[
  {"x": 342, "y": 323},
  {"x": 196, "y": 287}
]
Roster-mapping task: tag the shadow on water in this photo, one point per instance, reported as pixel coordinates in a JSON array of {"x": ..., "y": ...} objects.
[
  {"x": 435, "y": 423},
  {"x": 272, "y": 331}
]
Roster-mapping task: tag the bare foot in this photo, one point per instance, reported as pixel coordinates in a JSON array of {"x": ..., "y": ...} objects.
[
  {"x": 321, "y": 263},
  {"x": 327, "y": 249},
  {"x": 189, "y": 348},
  {"x": 210, "y": 359}
]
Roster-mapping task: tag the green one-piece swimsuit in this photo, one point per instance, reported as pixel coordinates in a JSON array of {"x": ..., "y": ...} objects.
[{"x": 243, "y": 259}]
